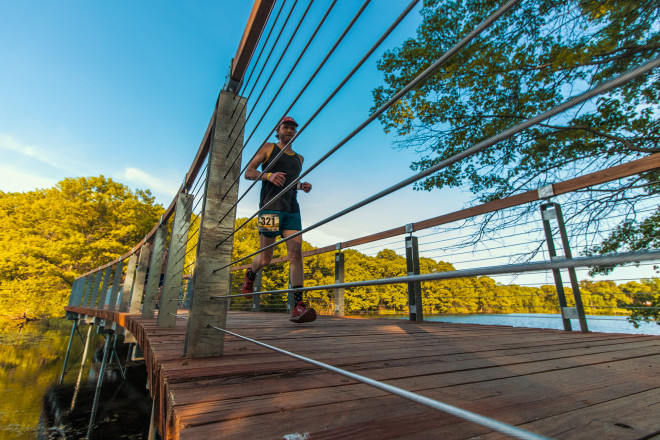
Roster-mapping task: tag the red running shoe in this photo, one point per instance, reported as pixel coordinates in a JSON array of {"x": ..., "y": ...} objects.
[
  {"x": 248, "y": 286},
  {"x": 302, "y": 313}
]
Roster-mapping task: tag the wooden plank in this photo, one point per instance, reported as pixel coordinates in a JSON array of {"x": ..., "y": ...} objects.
[{"x": 517, "y": 375}]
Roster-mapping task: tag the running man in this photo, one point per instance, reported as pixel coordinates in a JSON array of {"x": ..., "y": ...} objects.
[{"x": 282, "y": 217}]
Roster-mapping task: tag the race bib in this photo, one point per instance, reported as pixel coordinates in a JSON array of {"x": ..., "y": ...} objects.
[{"x": 269, "y": 223}]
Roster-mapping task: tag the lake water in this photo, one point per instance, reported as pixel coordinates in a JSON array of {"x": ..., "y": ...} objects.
[
  {"x": 35, "y": 405},
  {"x": 31, "y": 362},
  {"x": 602, "y": 324}
]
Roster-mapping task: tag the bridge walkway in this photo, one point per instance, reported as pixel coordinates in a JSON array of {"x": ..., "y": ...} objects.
[{"x": 555, "y": 383}]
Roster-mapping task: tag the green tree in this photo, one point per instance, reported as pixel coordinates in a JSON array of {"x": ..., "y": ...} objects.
[
  {"x": 50, "y": 236},
  {"x": 536, "y": 56}
]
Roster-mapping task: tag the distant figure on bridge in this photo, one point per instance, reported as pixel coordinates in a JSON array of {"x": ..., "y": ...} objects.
[{"x": 282, "y": 217}]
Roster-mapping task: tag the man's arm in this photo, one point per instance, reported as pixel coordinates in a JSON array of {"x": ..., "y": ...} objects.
[
  {"x": 305, "y": 186},
  {"x": 251, "y": 172}
]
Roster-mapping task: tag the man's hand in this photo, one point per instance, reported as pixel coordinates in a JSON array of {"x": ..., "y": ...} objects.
[
  {"x": 306, "y": 186},
  {"x": 276, "y": 179}
]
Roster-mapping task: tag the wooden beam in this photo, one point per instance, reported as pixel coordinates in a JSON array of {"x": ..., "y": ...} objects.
[{"x": 255, "y": 26}]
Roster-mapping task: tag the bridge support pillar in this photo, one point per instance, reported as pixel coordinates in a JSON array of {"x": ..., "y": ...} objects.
[
  {"x": 214, "y": 249},
  {"x": 339, "y": 279},
  {"x": 415, "y": 287},
  {"x": 155, "y": 271},
  {"x": 68, "y": 348},
  {"x": 99, "y": 383},
  {"x": 82, "y": 367},
  {"x": 173, "y": 281}
]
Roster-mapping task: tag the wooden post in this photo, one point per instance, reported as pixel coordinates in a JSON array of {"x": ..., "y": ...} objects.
[
  {"x": 74, "y": 289},
  {"x": 128, "y": 284},
  {"x": 210, "y": 280},
  {"x": 103, "y": 295},
  {"x": 79, "y": 292},
  {"x": 140, "y": 277},
  {"x": 97, "y": 288},
  {"x": 116, "y": 283},
  {"x": 339, "y": 278},
  {"x": 91, "y": 302},
  {"x": 414, "y": 288},
  {"x": 169, "y": 297},
  {"x": 155, "y": 270}
]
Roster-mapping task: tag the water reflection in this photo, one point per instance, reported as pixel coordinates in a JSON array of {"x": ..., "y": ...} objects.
[{"x": 33, "y": 402}]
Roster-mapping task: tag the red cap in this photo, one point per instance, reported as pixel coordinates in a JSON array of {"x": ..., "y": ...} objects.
[{"x": 288, "y": 119}]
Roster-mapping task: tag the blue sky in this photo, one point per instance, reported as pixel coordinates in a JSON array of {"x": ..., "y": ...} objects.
[{"x": 126, "y": 89}]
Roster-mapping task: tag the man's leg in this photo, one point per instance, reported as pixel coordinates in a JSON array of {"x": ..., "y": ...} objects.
[
  {"x": 301, "y": 313},
  {"x": 294, "y": 252},
  {"x": 259, "y": 262},
  {"x": 263, "y": 259}
]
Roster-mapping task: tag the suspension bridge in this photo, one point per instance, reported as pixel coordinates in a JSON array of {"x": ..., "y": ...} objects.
[{"x": 220, "y": 366}]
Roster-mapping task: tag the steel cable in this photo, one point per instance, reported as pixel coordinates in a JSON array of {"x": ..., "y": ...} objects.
[
  {"x": 606, "y": 260},
  {"x": 272, "y": 73},
  {"x": 311, "y": 78},
  {"x": 261, "y": 31},
  {"x": 598, "y": 90},
  {"x": 420, "y": 78},
  {"x": 261, "y": 51},
  {"x": 272, "y": 100},
  {"x": 269, "y": 54}
]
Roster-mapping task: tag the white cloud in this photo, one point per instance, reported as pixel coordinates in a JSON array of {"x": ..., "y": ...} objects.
[
  {"x": 157, "y": 185},
  {"x": 8, "y": 143},
  {"x": 12, "y": 180}
]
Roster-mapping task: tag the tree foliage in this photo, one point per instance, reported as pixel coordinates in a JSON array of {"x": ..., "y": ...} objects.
[
  {"x": 536, "y": 56},
  {"x": 50, "y": 236}
]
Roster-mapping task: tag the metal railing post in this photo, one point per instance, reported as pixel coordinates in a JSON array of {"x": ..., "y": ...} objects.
[
  {"x": 289, "y": 296},
  {"x": 116, "y": 283},
  {"x": 127, "y": 289},
  {"x": 256, "y": 299},
  {"x": 550, "y": 211},
  {"x": 339, "y": 278},
  {"x": 415, "y": 305},
  {"x": 582, "y": 319},
  {"x": 218, "y": 221},
  {"x": 140, "y": 277},
  {"x": 155, "y": 271},
  {"x": 169, "y": 297}
]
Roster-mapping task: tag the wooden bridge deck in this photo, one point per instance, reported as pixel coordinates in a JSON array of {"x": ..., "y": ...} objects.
[{"x": 555, "y": 383}]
